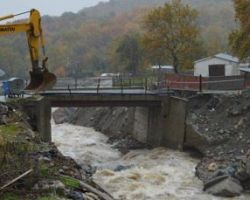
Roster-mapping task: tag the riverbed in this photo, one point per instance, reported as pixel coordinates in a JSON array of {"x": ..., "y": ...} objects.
[{"x": 159, "y": 173}]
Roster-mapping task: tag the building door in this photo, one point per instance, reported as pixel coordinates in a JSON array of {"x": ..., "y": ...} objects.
[{"x": 216, "y": 70}]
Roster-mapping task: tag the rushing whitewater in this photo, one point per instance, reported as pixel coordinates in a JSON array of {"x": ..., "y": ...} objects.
[{"x": 158, "y": 174}]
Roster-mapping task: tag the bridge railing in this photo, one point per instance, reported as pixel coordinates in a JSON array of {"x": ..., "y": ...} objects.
[
  {"x": 143, "y": 82},
  {"x": 106, "y": 83}
]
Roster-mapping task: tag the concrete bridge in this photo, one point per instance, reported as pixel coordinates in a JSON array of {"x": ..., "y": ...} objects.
[{"x": 159, "y": 120}]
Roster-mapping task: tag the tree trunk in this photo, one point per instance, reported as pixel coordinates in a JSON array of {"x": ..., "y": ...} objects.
[{"x": 175, "y": 64}]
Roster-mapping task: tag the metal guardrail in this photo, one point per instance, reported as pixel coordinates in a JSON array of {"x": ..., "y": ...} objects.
[{"x": 99, "y": 84}]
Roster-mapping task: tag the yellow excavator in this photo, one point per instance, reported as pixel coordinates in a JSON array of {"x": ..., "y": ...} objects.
[{"x": 40, "y": 77}]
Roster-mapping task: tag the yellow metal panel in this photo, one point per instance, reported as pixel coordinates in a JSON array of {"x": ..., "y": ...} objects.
[{"x": 13, "y": 28}]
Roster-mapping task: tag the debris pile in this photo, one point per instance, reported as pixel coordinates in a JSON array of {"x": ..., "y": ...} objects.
[{"x": 222, "y": 121}]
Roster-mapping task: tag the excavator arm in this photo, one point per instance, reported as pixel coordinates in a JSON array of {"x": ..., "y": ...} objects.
[{"x": 41, "y": 78}]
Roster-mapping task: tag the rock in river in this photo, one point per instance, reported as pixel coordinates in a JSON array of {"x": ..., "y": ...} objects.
[{"x": 224, "y": 186}]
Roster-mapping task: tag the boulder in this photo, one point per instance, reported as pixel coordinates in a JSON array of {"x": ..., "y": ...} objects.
[
  {"x": 225, "y": 186},
  {"x": 212, "y": 167},
  {"x": 77, "y": 195},
  {"x": 195, "y": 139}
]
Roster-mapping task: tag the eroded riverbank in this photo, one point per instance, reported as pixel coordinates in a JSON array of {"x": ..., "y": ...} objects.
[{"x": 140, "y": 174}]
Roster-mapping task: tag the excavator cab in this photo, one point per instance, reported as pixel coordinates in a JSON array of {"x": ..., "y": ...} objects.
[{"x": 40, "y": 78}]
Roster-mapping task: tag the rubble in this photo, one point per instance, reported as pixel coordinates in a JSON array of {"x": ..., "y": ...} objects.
[{"x": 222, "y": 121}]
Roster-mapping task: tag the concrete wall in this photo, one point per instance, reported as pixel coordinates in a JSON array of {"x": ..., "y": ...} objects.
[
  {"x": 174, "y": 124},
  {"x": 162, "y": 126},
  {"x": 140, "y": 128},
  {"x": 155, "y": 128}
]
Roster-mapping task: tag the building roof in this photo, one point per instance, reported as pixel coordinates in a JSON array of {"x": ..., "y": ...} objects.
[
  {"x": 227, "y": 57},
  {"x": 163, "y": 67},
  {"x": 247, "y": 70},
  {"x": 223, "y": 56}
]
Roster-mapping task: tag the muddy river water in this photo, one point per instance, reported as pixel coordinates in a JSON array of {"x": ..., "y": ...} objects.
[{"x": 157, "y": 174}]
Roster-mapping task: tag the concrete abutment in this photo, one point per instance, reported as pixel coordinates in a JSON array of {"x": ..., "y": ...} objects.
[{"x": 162, "y": 126}]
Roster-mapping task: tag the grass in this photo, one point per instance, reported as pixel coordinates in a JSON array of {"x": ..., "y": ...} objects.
[
  {"x": 70, "y": 182},
  {"x": 9, "y": 196},
  {"x": 48, "y": 172},
  {"x": 10, "y": 130}
]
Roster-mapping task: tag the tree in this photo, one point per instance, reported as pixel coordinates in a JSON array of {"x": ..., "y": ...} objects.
[
  {"x": 128, "y": 53},
  {"x": 240, "y": 39},
  {"x": 171, "y": 34}
]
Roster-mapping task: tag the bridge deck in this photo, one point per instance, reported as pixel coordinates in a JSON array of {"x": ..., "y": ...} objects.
[{"x": 87, "y": 98}]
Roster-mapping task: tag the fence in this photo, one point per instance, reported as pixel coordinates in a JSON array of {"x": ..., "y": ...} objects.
[{"x": 193, "y": 83}]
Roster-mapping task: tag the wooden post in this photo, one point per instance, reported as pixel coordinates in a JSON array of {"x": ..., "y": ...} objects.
[
  {"x": 98, "y": 85},
  {"x": 76, "y": 83},
  {"x": 245, "y": 80},
  {"x": 146, "y": 85},
  {"x": 121, "y": 85},
  {"x": 200, "y": 83}
]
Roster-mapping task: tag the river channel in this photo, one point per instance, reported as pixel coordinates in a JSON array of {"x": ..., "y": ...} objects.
[{"x": 157, "y": 174}]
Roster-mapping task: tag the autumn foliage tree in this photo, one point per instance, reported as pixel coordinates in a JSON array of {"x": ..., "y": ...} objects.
[
  {"x": 128, "y": 54},
  {"x": 171, "y": 34},
  {"x": 240, "y": 39}
]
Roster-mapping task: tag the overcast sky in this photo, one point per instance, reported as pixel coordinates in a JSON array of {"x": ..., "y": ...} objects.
[{"x": 46, "y": 7}]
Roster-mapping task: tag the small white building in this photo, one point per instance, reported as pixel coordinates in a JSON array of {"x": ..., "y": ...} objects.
[{"x": 218, "y": 65}]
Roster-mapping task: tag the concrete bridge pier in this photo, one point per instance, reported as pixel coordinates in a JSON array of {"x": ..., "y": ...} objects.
[
  {"x": 163, "y": 125},
  {"x": 39, "y": 113}
]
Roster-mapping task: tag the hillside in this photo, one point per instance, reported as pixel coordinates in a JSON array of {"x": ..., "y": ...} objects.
[{"x": 81, "y": 42}]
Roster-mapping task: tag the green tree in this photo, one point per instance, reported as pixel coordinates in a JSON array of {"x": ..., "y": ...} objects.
[
  {"x": 128, "y": 53},
  {"x": 240, "y": 39},
  {"x": 171, "y": 34}
]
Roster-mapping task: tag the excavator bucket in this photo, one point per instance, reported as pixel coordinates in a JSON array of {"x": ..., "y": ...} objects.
[{"x": 40, "y": 81}]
